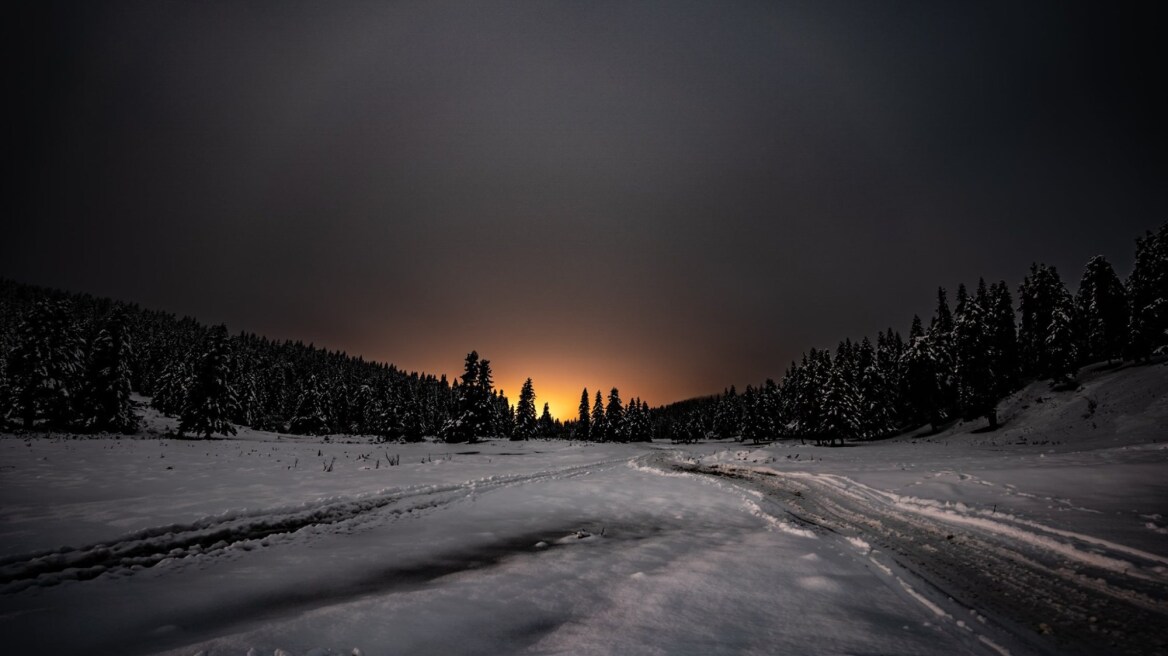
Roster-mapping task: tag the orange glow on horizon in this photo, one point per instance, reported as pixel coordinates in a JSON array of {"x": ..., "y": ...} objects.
[{"x": 558, "y": 380}]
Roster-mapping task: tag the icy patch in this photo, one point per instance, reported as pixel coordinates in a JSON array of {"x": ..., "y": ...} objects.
[{"x": 817, "y": 584}]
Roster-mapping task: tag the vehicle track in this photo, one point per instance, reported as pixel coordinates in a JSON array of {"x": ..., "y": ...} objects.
[
  {"x": 1062, "y": 595},
  {"x": 247, "y": 530}
]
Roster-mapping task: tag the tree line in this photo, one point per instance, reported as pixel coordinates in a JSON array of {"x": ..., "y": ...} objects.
[
  {"x": 968, "y": 358},
  {"x": 73, "y": 361}
]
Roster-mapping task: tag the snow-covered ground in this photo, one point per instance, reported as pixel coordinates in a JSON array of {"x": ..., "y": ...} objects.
[{"x": 1047, "y": 536}]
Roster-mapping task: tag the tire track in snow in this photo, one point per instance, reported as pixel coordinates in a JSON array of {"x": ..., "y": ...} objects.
[
  {"x": 1051, "y": 589},
  {"x": 247, "y": 530}
]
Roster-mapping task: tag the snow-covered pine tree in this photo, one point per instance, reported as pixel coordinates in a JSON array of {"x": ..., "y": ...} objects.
[
  {"x": 170, "y": 390},
  {"x": 816, "y": 372},
  {"x": 920, "y": 377},
  {"x": 1061, "y": 342},
  {"x": 599, "y": 430},
  {"x": 728, "y": 415},
  {"x": 1037, "y": 296},
  {"x": 210, "y": 399},
  {"x": 1147, "y": 289},
  {"x": 772, "y": 407},
  {"x": 1102, "y": 311},
  {"x": 614, "y": 418},
  {"x": 45, "y": 366},
  {"x": 463, "y": 426},
  {"x": 841, "y": 407},
  {"x": 363, "y": 407},
  {"x": 890, "y": 388},
  {"x": 525, "y": 420},
  {"x": 413, "y": 423},
  {"x": 874, "y": 393},
  {"x": 1003, "y": 339},
  {"x": 311, "y": 417},
  {"x": 944, "y": 358},
  {"x": 640, "y": 427},
  {"x": 502, "y": 416},
  {"x": 975, "y": 376},
  {"x": 788, "y": 401},
  {"x": 756, "y": 421},
  {"x": 105, "y": 402},
  {"x": 486, "y": 416},
  {"x": 583, "y": 420}
]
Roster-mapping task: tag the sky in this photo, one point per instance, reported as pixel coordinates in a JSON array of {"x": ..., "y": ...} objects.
[{"x": 668, "y": 198}]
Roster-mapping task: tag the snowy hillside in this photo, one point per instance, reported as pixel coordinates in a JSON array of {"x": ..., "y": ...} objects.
[{"x": 1049, "y": 535}]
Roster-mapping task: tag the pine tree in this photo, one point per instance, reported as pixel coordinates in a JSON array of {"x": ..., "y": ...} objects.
[
  {"x": 1102, "y": 311},
  {"x": 920, "y": 372},
  {"x": 728, "y": 415},
  {"x": 311, "y": 417},
  {"x": 583, "y": 421},
  {"x": 474, "y": 411},
  {"x": 875, "y": 398},
  {"x": 45, "y": 366},
  {"x": 105, "y": 403},
  {"x": 1061, "y": 351},
  {"x": 889, "y": 384},
  {"x": 614, "y": 426},
  {"x": 1003, "y": 339},
  {"x": 975, "y": 375},
  {"x": 772, "y": 406},
  {"x": 525, "y": 421},
  {"x": 170, "y": 391},
  {"x": 756, "y": 421},
  {"x": 1147, "y": 289},
  {"x": 841, "y": 411},
  {"x": 599, "y": 429},
  {"x": 944, "y": 359},
  {"x": 546, "y": 426},
  {"x": 1038, "y": 295},
  {"x": 210, "y": 400}
]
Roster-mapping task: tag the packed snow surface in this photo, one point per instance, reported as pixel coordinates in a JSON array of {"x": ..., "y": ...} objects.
[{"x": 1046, "y": 536}]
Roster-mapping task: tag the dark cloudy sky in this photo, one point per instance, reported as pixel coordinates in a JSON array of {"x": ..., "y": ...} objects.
[{"x": 667, "y": 197}]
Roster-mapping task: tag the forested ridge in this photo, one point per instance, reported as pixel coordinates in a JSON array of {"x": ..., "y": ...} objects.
[{"x": 71, "y": 362}]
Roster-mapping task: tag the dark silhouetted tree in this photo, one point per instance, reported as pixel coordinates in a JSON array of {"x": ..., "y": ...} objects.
[
  {"x": 972, "y": 341},
  {"x": 599, "y": 429},
  {"x": 105, "y": 403},
  {"x": 311, "y": 417},
  {"x": 525, "y": 420},
  {"x": 546, "y": 426},
  {"x": 1147, "y": 289},
  {"x": 614, "y": 418},
  {"x": 45, "y": 366},
  {"x": 841, "y": 408},
  {"x": 1102, "y": 311},
  {"x": 1061, "y": 353},
  {"x": 1003, "y": 339},
  {"x": 210, "y": 400},
  {"x": 1037, "y": 296},
  {"x": 583, "y": 421}
]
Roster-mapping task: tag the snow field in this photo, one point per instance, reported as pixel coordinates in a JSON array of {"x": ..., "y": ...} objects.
[{"x": 1043, "y": 537}]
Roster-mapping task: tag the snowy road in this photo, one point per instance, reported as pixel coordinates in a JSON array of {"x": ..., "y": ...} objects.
[{"x": 1093, "y": 595}]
